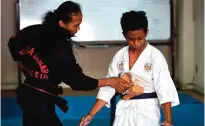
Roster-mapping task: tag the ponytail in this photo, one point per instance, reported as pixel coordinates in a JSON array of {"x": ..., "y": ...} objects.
[{"x": 49, "y": 18}]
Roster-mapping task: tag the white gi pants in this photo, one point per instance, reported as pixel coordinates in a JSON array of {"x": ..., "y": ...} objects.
[{"x": 137, "y": 112}]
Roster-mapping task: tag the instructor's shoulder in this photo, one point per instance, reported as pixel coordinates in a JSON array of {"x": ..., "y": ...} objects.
[{"x": 30, "y": 32}]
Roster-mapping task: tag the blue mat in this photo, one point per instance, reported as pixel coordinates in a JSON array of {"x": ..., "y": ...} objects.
[{"x": 189, "y": 113}]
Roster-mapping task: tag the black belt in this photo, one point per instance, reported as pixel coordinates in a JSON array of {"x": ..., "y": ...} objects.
[
  {"x": 60, "y": 102},
  {"x": 144, "y": 96}
]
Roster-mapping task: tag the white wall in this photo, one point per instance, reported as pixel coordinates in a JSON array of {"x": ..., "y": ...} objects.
[
  {"x": 9, "y": 77},
  {"x": 191, "y": 44},
  {"x": 0, "y": 40},
  {"x": 186, "y": 42},
  {"x": 199, "y": 45}
]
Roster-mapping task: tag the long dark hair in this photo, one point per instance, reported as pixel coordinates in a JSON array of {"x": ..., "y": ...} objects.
[{"x": 64, "y": 12}]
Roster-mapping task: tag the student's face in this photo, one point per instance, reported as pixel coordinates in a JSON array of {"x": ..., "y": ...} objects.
[
  {"x": 74, "y": 25},
  {"x": 136, "y": 39}
]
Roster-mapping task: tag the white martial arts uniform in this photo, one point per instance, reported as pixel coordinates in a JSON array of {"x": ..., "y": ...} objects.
[{"x": 151, "y": 67}]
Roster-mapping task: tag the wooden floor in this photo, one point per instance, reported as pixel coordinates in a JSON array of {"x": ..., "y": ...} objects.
[{"x": 69, "y": 92}]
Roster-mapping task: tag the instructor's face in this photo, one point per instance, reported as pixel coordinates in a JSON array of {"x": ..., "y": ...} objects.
[
  {"x": 74, "y": 25},
  {"x": 136, "y": 39}
]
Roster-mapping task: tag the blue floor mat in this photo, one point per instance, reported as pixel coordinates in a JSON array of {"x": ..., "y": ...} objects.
[
  {"x": 189, "y": 113},
  {"x": 187, "y": 99}
]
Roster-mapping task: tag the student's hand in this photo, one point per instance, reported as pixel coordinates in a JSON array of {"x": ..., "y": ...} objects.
[
  {"x": 119, "y": 84},
  {"x": 85, "y": 120},
  {"x": 134, "y": 90},
  {"x": 165, "y": 123}
]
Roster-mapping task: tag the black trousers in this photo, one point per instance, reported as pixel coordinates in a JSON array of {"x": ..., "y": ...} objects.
[
  {"x": 38, "y": 108},
  {"x": 35, "y": 119}
]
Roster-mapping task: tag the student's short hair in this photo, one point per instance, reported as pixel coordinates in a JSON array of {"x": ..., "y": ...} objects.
[{"x": 134, "y": 20}]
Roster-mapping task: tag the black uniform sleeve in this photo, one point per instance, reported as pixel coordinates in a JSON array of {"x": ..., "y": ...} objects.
[
  {"x": 76, "y": 79},
  {"x": 72, "y": 74}
]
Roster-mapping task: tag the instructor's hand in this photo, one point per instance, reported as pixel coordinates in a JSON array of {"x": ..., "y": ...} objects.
[{"x": 119, "y": 84}]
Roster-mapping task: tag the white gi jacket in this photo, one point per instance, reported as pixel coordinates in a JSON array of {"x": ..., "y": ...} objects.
[{"x": 152, "y": 68}]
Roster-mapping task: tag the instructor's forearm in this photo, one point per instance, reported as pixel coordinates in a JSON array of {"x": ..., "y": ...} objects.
[
  {"x": 103, "y": 82},
  {"x": 167, "y": 112},
  {"x": 97, "y": 107}
]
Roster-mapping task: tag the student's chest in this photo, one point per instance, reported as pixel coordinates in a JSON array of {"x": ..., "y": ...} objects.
[{"x": 141, "y": 66}]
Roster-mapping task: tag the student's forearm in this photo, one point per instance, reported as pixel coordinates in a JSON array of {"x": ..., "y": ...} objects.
[
  {"x": 97, "y": 107},
  {"x": 167, "y": 112}
]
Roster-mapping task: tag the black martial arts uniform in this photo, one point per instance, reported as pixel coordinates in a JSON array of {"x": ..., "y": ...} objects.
[{"x": 46, "y": 59}]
